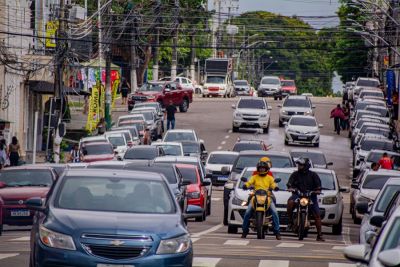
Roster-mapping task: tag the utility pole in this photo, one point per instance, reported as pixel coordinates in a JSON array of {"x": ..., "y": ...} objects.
[
  {"x": 193, "y": 56},
  {"x": 174, "y": 61},
  {"x": 133, "y": 58},
  {"x": 107, "y": 109},
  {"x": 156, "y": 45}
]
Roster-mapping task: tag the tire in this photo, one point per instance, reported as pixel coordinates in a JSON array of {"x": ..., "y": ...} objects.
[
  {"x": 356, "y": 220},
  {"x": 1, "y": 229},
  {"x": 316, "y": 144},
  {"x": 260, "y": 225},
  {"x": 280, "y": 98},
  {"x": 266, "y": 130},
  {"x": 286, "y": 143},
  {"x": 185, "y": 106},
  {"x": 275, "y": 98},
  {"x": 204, "y": 96},
  {"x": 232, "y": 229},
  {"x": 202, "y": 218},
  {"x": 337, "y": 228},
  {"x": 280, "y": 123},
  {"x": 302, "y": 226},
  {"x": 209, "y": 208},
  {"x": 235, "y": 129}
]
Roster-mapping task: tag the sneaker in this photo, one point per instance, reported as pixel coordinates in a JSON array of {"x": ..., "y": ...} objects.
[
  {"x": 244, "y": 235},
  {"x": 320, "y": 238},
  {"x": 278, "y": 237}
]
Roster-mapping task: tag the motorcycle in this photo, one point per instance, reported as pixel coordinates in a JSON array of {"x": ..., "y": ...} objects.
[{"x": 302, "y": 217}]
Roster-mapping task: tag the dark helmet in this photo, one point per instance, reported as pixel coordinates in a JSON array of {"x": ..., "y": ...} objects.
[
  {"x": 305, "y": 162},
  {"x": 265, "y": 165}
]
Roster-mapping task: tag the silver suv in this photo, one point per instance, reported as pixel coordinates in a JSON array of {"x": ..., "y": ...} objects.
[
  {"x": 295, "y": 105},
  {"x": 251, "y": 112}
]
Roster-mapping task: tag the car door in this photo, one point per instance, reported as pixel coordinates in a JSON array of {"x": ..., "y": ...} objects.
[
  {"x": 190, "y": 85},
  {"x": 175, "y": 94}
]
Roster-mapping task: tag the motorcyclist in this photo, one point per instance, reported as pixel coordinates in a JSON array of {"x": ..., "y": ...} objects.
[
  {"x": 261, "y": 180},
  {"x": 305, "y": 180}
]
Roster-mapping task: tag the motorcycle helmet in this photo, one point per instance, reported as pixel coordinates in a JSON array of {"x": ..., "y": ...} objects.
[
  {"x": 303, "y": 164},
  {"x": 267, "y": 160},
  {"x": 265, "y": 165}
]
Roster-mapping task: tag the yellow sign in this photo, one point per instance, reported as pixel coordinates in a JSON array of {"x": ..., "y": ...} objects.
[
  {"x": 94, "y": 110},
  {"x": 51, "y": 30}
]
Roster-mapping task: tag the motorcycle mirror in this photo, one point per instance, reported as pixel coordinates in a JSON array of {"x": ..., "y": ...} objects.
[
  {"x": 243, "y": 179},
  {"x": 278, "y": 180}
]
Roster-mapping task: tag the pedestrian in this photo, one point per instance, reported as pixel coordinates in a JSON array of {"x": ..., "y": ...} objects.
[
  {"x": 375, "y": 166},
  {"x": 125, "y": 87},
  {"x": 14, "y": 151},
  {"x": 395, "y": 103},
  {"x": 101, "y": 126},
  {"x": 75, "y": 155},
  {"x": 147, "y": 137},
  {"x": 337, "y": 115},
  {"x": 170, "y": 110},
  {"x": 386, "y": 162},
  {"x": 345, "y": 121},
  {"x": 3, "y": 155},
  {"x": 345, "y": 96}
]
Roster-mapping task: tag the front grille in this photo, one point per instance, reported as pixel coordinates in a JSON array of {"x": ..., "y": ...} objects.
[
  {"x": 291, "y": 113},
  {"x": 14, "y": 202},
  {"x": 119, "y": 237},
  {"x": 250, "y": 119},
  {"x": 307, "y": 138},
  {"x": 300, "y": 113},
  {"x": 115, "y": 252}
]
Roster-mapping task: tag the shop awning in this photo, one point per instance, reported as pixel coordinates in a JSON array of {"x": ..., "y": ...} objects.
[
  {"x": 95, "y": 63},
  {"x": 44, "y": 87}
]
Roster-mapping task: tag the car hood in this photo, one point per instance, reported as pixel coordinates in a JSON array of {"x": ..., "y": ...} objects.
[
  {"x": 214, "y": 84},
  {"x": 23, "y": 192},
  {"x": 302, "y": 129},
  {"x": 251, "y": 111},
  {"x": 217, "y": 167},
  {"x": 296, "y": 109},
  {"x": 281, "y": 196},
  {"x": 78, "y": 222},
  {"x": 369, "y": 193}
]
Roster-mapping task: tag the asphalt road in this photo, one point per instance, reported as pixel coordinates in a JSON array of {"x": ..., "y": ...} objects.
[{"x": 213, "y": 246}]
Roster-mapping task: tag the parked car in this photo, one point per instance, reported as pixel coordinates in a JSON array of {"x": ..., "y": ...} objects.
[
  {"x": 170, "y": 148},
  {"x": 251, "y": 112},
  {"x": 77, "y": 224},
  {"x": 194, "y": 149},
  {"x": 295, "y": 105},
  {"x": 363, "y": 83},
  {"x": 133, "y": 134},
  {"x": 374, "y": 156},
  {"x": 180, "y": 135},
  {"x": 371, "y": 128},
  {"x": 242, "y": 88},
  {"x": 219, "y": 165},
  {"x": 92, "y": 139},
  {"x": 317, "y": 157},
  {"x": 185, "y": 82},
  {"x": 123, "y": 120},
  {"x": 289, "y": 87},
  {"x": 153, "y": 122},
  {"x": 270, "y": 86},
  {"x": 140, "y": 126},
  {"x": 371, "y": 92},
  {"x": 302, "y": 130},
  {"x": 158, "y": 108},
  {"x": 118, "y": 141},
  {"x": 17, "y": 185},
  {"x": 145, "y": 152},
  {"x": 97, "y": 151},
  {"x": 369, "y": 143},
  {"x": 250, "y": 144}
]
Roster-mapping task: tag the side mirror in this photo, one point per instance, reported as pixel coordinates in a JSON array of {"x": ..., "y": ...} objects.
[
  {"x": 277, "y": 180},
  {"x": 329, "y": 164},
  {"x": 357, "y": 253},
  {"x": 390, "y": 258},
  {"x": 225, "y": 170},
  {"x": 3, "y": 185},
  {"x": 354, "y": 185},
  {"x": 320, "y": 125},
  {"x": 206, "y": 182},
  {"x": 233, "y": 106},
  {"x": 362, "y": 207},
  {"x": 377, "y": 221},
  {"x": 344, "y": 189},
  {"x": 35, "y": 203}
]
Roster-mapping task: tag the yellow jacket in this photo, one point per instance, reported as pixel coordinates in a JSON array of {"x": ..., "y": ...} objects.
[{"x": 262, "y": 182}]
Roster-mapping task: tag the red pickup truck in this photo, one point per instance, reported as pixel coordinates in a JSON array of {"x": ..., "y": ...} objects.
[{"x": 163, "y": 93}]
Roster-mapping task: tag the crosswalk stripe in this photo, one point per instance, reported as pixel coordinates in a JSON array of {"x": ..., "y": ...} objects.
[
  {"x": 275, "y": 263},
  {"x": 215, "y": 199},
  {"x": 236, "y": 242},
  {"x": 335, "y": 264},
  {"x": 194, "y": 239},
  {"x": 205, "y": 262},
  {"x": 290, "y": 245},
  {"x": 7, "y": 255},
  {"x": 338, "y": 247},
  {"x": 24, "y": 238}
]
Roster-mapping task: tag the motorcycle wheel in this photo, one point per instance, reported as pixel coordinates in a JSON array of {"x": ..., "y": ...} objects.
[
  {"x": 260, "y": 225},
  {"x": 302, "y": 223}
]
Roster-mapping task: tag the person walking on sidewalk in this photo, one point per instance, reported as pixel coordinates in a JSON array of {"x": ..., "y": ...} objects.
[
  {"x": 125, "y": 87},
  {"x": 170, "y": 110},
  {"x": 337, "y": 115},
  {"x": 14, "y": 151}
]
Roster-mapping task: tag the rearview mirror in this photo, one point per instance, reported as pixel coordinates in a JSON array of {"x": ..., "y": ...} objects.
[
  {"x": 390, "y": 258},
  {"x": 362, "y": 207},
  {"x": 357, "y": 253},
  {"x": 285, "y": 123},
  {"x": 377, "y": 221},
  {"x": 225, "y": 170},
  {"x": 35, "y": 203}
]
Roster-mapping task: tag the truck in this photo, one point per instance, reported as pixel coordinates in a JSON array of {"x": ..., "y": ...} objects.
[{"x": 218, "y": 77}]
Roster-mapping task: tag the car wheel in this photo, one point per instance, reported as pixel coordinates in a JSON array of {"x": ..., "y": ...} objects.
[
  {"x": 280, "y": 98},
  {"x": 275, "y": 98},
  {"x": 232, "y": 229},
  {"x": 203, "y": 96},
  {"x": 337, "y": 228},
  {"x": 316, "y": 144},
  {"x": 280, "y": 123},
  {"x": 235, "y": 129},
  {"x": 355, "y": 219},
  {"x": 286, "y": 142},
  {"x": 202, "y": 218},
  {"x": 185, "y": 106},
  {"x": 1, "y": 229},
  {"x": 266, "y": 130},
  {"x": 209, "y": 208}
]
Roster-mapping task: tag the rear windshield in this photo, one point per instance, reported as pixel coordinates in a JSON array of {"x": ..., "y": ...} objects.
[
  {"x": 171, "y": 150},
  {"x": 167, "y": 171},
  {"x": 130, "y": 118},
  {"x": 247, "y": 146},
  {"x": 381, "y": 111},
  {"x": 376, "y": 144},
  {"x": 141, "y": 153},
  {"x": 215, "y": 79},
  {"x": 303, "y": 103},
  {"x": 190, "y": 148},
  {"x": 117, "y": 140},
  {"x": 386, "y": 197},
  {"x": 375, "y": 181},
  {"x": 251, "y": 103},
  {"x": 380, "y": 131},
  {"x": 377, "y": 94},
  {"x": 26, "y": 178},
  {"x": 101, "y": 149},
  {"x": 316, "y": 158},
  {"x": 189, "y": 174},
  {"x": 368, "y": 83},
  {"x": 242, "y": 83},
  {"x": 222, "y": 159},
  {"x": 148, "y": 115},
  {"x": 303, "y": 121},
  {"x": 151, "y": 87},
  {"x": 251, "y": 161},
  {"x": 270, "y": 81},
  {"x": 287, "y": 83}
]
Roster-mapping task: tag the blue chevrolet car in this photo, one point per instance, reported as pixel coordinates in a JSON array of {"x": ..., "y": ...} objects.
[{"x": 102, "y": 218}]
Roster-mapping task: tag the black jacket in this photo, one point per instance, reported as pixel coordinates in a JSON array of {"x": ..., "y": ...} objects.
[{"x": 304, "y": 181}]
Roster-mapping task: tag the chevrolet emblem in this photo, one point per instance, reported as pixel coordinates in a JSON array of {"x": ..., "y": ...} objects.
[{"x": 117, "y": 242}]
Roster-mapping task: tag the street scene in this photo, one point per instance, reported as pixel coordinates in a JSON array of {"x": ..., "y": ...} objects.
[{"x": 199, "y": 133}]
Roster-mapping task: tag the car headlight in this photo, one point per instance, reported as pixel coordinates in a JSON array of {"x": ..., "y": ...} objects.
[
  {"x": 174, "y": 245},
  {"x": 329, "y": 200},
  {"x": 284, "y": 112},
  {"x": 263, "y": 115},
  {"x": 308, "y": 112},
  {"x": 238, "y": 115},
  {"x": 195, "y": 194},
  {"x": 56, "y": 240},
  {"x": 237, "y": 201}
]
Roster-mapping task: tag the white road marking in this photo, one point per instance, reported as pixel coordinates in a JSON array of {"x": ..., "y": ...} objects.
[
  {"x": 338, "y": 247},
  {"x": 219, "y": 148},
  {"x": 24, "y": 238},
  {"x": 346, "y": 235},
  {"x": 227, "y": 137},
  {"x": 236, "y": 242},
  {"x": 8, "y": 255},
  {"x": 212, "y": 229},
  {"x": 290, "y": 245},
  {"x": 229, "y": 131},
  {"x": 215, "y": 199},
  {"x": 194, "y": 239},
  {"x": 205, "y": 262},
  {"x": 269, "y": 263},
  {"x": 335, "y": 264},
  {"x": 223, "y": 142}
]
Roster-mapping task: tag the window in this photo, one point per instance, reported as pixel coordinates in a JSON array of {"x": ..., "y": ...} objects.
[
  {"x": 393, "y": 240},
  {"x": 189, "y": 174},
  {"x": 141, "y": 153},
  {"x": 215, "y": 79},
  {"x": 303, "y": 121},
  {"x": 368, "y": 83},
  {"x": 117, "y": 140},
  {"x": 223, "y": 159},
  {"x": 327, "y": 181},
  {"x": 287, "y": 83},
  {"x": 148, "y": 115},
  {"x": 98, "y": 149},
  {"x": 367, "y": 145},
  {"x": 240, "y": 83},
  {"x": 316, "y": 158},
  {"x": 274, "y": 81},
  {"x": 386, "y": 197},
  {"x": 14, "y": 178},
  {"x": 241, "y": 146},
  {"x": 151, "y": 87},
  {"x": 291, "y": 102},
  {"x": 251, "y": 103},
  {"x": 375, "y": 182},
  {"x": 179, "y": 136},
  {"x": 112, "y": 195},
  {"x": 171, "y": 150},
  {"x": 251, "y": 161}
]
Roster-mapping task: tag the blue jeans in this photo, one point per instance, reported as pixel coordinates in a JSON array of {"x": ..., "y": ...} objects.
[
  {"x": 170, "y": 124},
  {"x": 249, "y": 213}
]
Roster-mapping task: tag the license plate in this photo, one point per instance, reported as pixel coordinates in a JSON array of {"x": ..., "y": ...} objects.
[
  {"x": 222, "y": 178},
  {"x": 302, "y": 138},
  {"x": 113, "y": 265},
  {"x": 20, "y": 213}
]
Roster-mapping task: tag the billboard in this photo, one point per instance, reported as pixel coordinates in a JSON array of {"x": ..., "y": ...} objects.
[{"x": 51, "y": 30}]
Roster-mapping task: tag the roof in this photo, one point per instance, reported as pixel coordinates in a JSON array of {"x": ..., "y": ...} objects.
[
  {"x": 394, "y": 181},
  {"x": 285, "y": 170},
  {"x": 297, "y": 96},
  {"x": 185, "y": 166},
  {"x": 383, "y": 151},
  {"x": 97, "y": 137},
  {"x": 129, "y": 116},
  {"x": 28, "y": 167},
  {"x": 378, "y": 138},
  {"x": 166, "y": 144},
  {"x": 97, "y": 143},
  {"x": 307, "y": 151},
  {"x": 124, "y": 174},
  {"x": 224, "y": 153},
  {"x": 176, "y": 159},
  {"x": 263, "y": 153},
  {"x": 383, "y": 172},
  {"x": 181, "y": 131}
]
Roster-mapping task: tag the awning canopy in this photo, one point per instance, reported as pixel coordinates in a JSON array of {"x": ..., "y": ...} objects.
[
  {"x": 47, "y": 88},
  {"x": 95, "y": 63}
]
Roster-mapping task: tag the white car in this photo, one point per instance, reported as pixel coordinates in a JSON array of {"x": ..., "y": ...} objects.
[
  {"x": 362, "y": 84},
  {"x": 219, "y": 165},
  {"x": 270, "y": 86},
  {"x": 133, "y": 117},
  {"x": 170, "y": 148},
  {"x": 251, "y": 112},
  {"x": 118, "y": 141},
  {"x": 295, "y": 105},
  {"x": 185, "y": 82},
  {"x": 302, "y": 130},
  {"x": 92, "y": 139},
  {"x": 179, "y": 135},
  {"x": 367, "y": 144},
  {"x": 376, "y": 93}
]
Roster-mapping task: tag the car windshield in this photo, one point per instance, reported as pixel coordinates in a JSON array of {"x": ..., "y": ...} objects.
[
  {"x": 386, "y": 196},
  {"x": 380, "y": 131},
  {"x": 375, "y": 181},
  {"x": 303, "y": 121},
  {"x": 167, "y": 171},
  {"x": 130, "y": 118},
  {"x": 377, "y": 94},
  {"x": 117, "y": 140},
  {"x": 287, "y": 83},
  {"x": 141, "y": 153},
  {"x": 112, "y": 195},
  {"x": 284, "y": 176},
  {"x": 241, "y": 83},
  {"x": 251, "y": 103},
  {"x": 316, "y": 158},
  {"x": 148, "y": 115},
  {"x": 327, "y": 181},
  {"x": 98, "y": 149},
  {"x": 241, "y": 146},
  {"x": 368, "y": 83},
  {"x": 189, "y": 148},
  {"x": 392, "y": 240},
  {"x": 222, "y": 159},
  {"x": 251, "y": 161},
  {"x": 26, "y": 177},
  {"x": 189, "y": 174},
  {"x": 382, "y": 111},
  {"x": 367, "y": 145},
  {"x": 151, "y": 87},
  {"x": 301, "y": 103},
  {"x": 179, "y": 136},
  {"x": 147, "y": 105},
  {"x": 270, "y": 81},
  {"x": 215, "y": 79},
  {"x": 171, "y": 150}
]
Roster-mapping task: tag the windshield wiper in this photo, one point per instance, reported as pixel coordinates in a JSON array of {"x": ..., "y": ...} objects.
[{"x": 40, "y": 185}]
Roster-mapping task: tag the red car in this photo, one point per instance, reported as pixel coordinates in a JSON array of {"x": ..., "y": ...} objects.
[
  {"x": 97, "y": 151},
  {"x": 162, "y": 93},
  {"x": 18, "y": 184},
  {"x": 289, "y": 87},
  {"x": 196, "y": 191}
]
